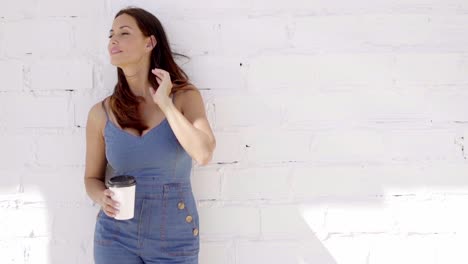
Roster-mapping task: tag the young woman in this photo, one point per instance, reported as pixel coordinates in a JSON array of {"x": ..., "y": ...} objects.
[{"x": 151, "y": 127}]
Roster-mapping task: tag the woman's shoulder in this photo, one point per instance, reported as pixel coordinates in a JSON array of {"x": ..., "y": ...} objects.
[
  {"x": 97, "y": 114},
  {"x": 183, "y": 94},
  {"x": 186, "y": 91}
]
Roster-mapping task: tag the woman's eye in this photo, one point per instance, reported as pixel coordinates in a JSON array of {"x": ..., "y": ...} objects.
[{"x": 125, "y": 33}]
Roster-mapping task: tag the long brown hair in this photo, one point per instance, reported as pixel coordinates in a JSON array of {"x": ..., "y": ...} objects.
[{"x": 123, "y": 102}]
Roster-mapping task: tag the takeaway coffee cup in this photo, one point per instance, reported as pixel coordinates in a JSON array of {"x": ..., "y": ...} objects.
[{"x": 123, "y": 187}]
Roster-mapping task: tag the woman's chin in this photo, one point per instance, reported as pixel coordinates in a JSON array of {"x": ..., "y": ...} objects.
[
  {"x": 116, "y": 63},
  {"x": 120, "y": 62}
]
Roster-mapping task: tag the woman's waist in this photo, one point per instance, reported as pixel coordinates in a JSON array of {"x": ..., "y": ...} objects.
[{"x": 156, "y": 187}]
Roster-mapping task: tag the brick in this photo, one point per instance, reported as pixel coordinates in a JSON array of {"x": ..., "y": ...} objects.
[
  {"x": 57, "y": 8},
  {"x": 12, "y": 250},
  {"x": 450, "y": 248},
  {"x": 83, "y": 102},
  {"x": 10, "y": 180},
  {"x": 239, "y": 35},
  {"x": 256, "y": 183},
  {"x": 230, "y": 147},
  {"x": 55, "y": 38},
  {"x": 235, "y": 110},
  {"x": 324, "y": 7},
  {"x": 348, "y": 249},
  {"x": 201, "y": 6},
  {"x": 17, "y": 151},
  {"x": 24, "y": 110},
  {"x": 68, "y": 215},
  {"x": 375, "y": 106},
  {"x": 216, "y": 252},
  {"x": 45, "y": 249},
  {"x": 215, "y": 72},
  {"x": 12, "y": 76},
  {"x": 404, "y": 250},
  {"x": 267, "y": 252},
  {"x": 324, "y": 71},
  {"x": 278, "y": 146},
  {"x": 69, "y": 75},
  {"x": 431, "y": 216},
  {"x": 67, "y": 149},
  {"x": 361, "y": 215},
  {"x": 432, "y": 69},
  {"x": 182, "y": 32},
  {"x": 17, "y": 222},
  {"x": 308, "y": 251},
  {"x": 367, "y": 145},
  {"x": 41, "y": 185},
  {"x": 91, "y": 35},
  {"x": 297, "y": 221},
  {"x": 380, "y": 33},
  {"x": 367, "y": 181},
  {"x": 229, "y": 221},
  {"x": 19, "y": 10},
  {"x": 206, "y": 183}
]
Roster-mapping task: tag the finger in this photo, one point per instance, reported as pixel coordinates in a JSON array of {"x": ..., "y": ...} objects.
[
  {"x": 160, "y": 71},
  {"x": 106, "y": 211},
  {"x": 110, "y": 214},
  {"x": 107, "y": 202},
  {"x": 158, "y": 74},
  {"x": 111, "y": 211},
  {"x": 108, "y": 199},
  {"x": 108, "y": 192},
  {"x": 111, "y": 202},
  {"x": 159, "y": 77}
]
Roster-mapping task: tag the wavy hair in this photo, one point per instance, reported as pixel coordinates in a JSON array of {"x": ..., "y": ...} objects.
[{"x": 123, "y": 102}]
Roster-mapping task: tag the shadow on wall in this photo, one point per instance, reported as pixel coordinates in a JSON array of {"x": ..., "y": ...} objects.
[
  {"x": 333, "y": 214},
  {"x": 47, "y": 216}
]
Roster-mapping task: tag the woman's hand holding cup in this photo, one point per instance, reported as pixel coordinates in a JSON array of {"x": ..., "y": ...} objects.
[{"x": 108, "y": 205}]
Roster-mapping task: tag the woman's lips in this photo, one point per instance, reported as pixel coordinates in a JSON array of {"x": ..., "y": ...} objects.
[{"x": 115, "y": 51}]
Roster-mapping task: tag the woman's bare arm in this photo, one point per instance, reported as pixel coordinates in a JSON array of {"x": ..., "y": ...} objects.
[{"x": 95, "y": 156}]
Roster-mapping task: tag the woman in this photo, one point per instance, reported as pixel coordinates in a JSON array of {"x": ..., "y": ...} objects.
[{"x": 151, "y": 127}]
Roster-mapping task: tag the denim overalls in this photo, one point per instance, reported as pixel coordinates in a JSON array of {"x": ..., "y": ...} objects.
[{"x": 165, "y": 227}]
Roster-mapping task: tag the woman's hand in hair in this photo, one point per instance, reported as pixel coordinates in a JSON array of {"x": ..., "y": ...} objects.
[{"x": 161, "y": 94}]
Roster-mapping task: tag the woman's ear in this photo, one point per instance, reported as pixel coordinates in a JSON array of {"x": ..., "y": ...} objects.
[{"x": 152, "y": 42}]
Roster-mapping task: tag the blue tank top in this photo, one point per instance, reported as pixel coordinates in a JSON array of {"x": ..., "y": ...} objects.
[{"x": 157, "y": 153}]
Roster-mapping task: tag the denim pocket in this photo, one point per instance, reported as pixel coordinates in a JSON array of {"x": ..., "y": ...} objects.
[
  {"x": 179, "y": 221},
  {"x": 106, "y": 230}
]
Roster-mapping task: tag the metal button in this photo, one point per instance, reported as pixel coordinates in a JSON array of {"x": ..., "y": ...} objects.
[
  {"x": 195, "y": 232},
  {"x": 188, "y": 219},
  {"x": 181, "y": 205}
]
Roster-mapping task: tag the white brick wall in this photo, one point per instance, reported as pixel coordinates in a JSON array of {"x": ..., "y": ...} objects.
[{"x": 340, "y": 126}]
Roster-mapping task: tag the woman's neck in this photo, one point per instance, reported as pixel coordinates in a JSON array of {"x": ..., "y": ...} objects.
[{"x": 137, "y": 79}]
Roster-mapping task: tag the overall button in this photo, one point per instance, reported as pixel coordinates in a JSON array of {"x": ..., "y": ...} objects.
[
  {"x": 188, "y": 219},
  {"x": 195, "y": 232},
  {"x": 181, "y": 205}
]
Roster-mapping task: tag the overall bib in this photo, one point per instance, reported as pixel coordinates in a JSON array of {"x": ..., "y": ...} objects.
[{"x": 165, "y": 227}]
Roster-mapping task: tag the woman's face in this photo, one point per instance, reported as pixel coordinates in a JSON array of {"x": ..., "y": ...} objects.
[{"x": 127, "y": 44}]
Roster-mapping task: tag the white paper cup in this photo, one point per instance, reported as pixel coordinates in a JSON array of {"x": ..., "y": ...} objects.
[{"x": 123, "y": 187}]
